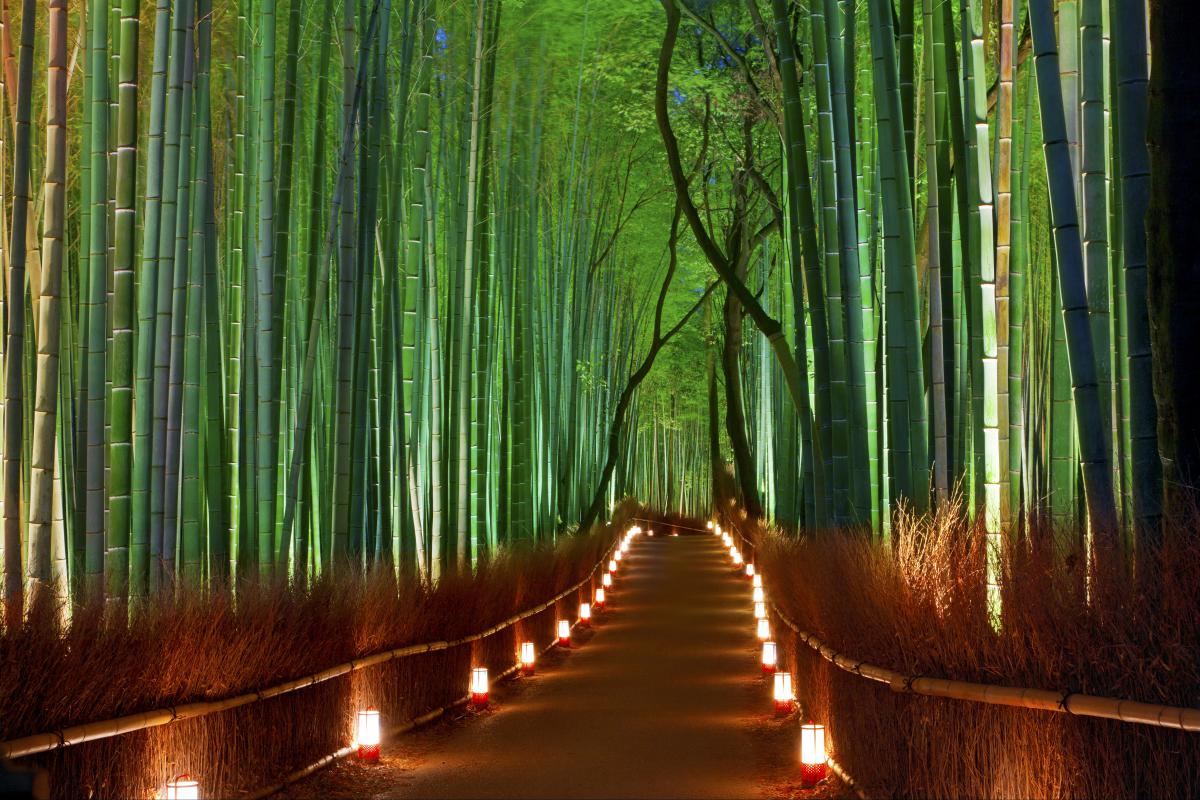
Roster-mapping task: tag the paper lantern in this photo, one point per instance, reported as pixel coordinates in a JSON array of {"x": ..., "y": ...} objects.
[
  {"x": 183, "y": 787},
  {"x": 599, "y": 598},
  {"x": 760, "y": 609},
  {"x": 770, "y": 656},
  {"x": 756, "y": 581},
  {"x": 366, "y": 734},
  {"x": 812, "y": 752},
  {"x": 585, "y": 614},
  {"x": 617, "y": 556},
  {"x": 612, "y": 565},
  {"x": 606, "y": 581},
  {"x": 564, "y": 633},
  {"x": 737, "y": 559},
  {"x": 785, "y": 698},
  {"x": 764, "y": 630},
  {"x": 710, "y": 527},
  {"x": 750, "y": 571},
  {"x": 479, "y": 687},
  {"x": 759, "y": 595},
  {"x": 528, "y": 658}
]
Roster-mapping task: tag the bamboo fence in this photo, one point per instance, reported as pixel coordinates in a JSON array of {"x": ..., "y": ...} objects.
[
  {"x": 1064, "y": 701},
  {"x": 91, "y": 731}
]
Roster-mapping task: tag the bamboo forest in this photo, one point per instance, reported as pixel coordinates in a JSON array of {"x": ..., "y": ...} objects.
[{"x": 363, "y": 345}]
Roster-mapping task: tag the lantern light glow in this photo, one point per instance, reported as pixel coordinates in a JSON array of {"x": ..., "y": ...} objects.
[
  {"x": 612, "y": 565},
  {"x": 760, "y": 609},
  {"x": 770, "y": 655},
  {"x": 710, "y": 525},
  {"x": 617, "y": 556},
  {"x": 812, "y": 752},
  {"x": 785, "y": 698},
  {"x": 600, "y": 598},
  {"x": 585, "y": 614},
  {"x": 764, "y": 630},
  {"x": 564, "y": 633},
  {"x": 750, "y": 571},
  {"x": 528, "y": 658},
  {"x": 606, "y": 581},
  {"x": 366, "y": 734},
  {"x": 479, "y": 686},
  {"x": 183, "y": 787},
  {"x": 756, "y": 581},
  {"x": 759, "y": 595}
]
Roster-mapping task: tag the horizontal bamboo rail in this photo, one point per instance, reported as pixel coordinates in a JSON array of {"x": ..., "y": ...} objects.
[
  {"x": 1067, "y": 702},
  {"x": 91, "y": 731},
  {"x": 398, "y": 730}
]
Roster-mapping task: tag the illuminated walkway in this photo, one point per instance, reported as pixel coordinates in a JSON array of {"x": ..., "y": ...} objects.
[{"x": 656, "y": 704}]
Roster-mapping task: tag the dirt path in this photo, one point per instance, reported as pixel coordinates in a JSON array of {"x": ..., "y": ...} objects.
[{"x": 660, "y": 701}]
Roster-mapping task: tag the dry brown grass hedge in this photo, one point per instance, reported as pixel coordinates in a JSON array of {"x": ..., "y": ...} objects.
[
  {"x": 920, "y": 607},
  {"x": 209, "y": 645}
]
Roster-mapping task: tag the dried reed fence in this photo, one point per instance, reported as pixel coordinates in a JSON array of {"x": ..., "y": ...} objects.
[
  {"x": 401, "y": 645},
  {"x": 919, "y": 607}
]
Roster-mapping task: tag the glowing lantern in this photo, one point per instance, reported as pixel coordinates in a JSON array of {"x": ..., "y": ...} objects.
[
  {"x": 756, "y": 581},
  {"x": 750, "y": 571},
  {"x": 585, "y": 614},
  {"x": 606, "y": 581},
  {"x": 564, "y": 633},
  {"x": 785, "y": 698},
  {"x": 710, "y": 525},
  {"x": 770, "y": 655},
  {"x": 366, "y": 734},
  {"x": 599, "y": 599},
  {"x": 737, "y": 558},
  {"x": 612, "y": 565},
  {"x": 183, "y": 787},
  {"x": 764, "y": 630},
  {"x": 760, "y": 609},
  {"x": 812, "y": 752},
  {"x": 617, "y": 556},
  {"x": 759, "y": 595},
  {"x": 528, "y": 658},
  {"x": 479, "y": 687}
]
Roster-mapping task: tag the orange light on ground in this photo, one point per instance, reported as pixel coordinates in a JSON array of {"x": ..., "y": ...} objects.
[
  {"x": 759, "y": 595},
  {"x": 812, "y": 752},
  {"x": 585, "y": 614},
  {"x": 564, "y": 633},
  {"x": 770, "y": 656},
  {"x": 756, "y": 581},
  {"x": 606, "y": 581},
  {"x": 760, "y": 609},
  {"x": 785, "y": 698},
  {"x": 528, "y": 658},
  {"x": 366, "y": 734},
  {"x": 600, "y": 598},
  {"x": 183, "y": 787},
  {"x": 764, "y": 630},
  {"x": 479, "y": 687}
]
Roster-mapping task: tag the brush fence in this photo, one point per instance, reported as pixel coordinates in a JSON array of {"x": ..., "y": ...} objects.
[
  {"x": 1066, "y": 702},
  {"x": 237, "y": 741}
]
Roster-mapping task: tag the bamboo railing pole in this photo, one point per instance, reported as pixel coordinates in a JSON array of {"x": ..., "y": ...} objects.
[{"x": 1080, "y": 705}]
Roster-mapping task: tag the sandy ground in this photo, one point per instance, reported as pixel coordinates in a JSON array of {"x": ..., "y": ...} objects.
[{"x": 662, "y": 699}]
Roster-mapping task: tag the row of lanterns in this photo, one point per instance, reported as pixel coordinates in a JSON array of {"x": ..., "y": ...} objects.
[
  {"x": 368, "y": 729},
  {"x": 813, "y": 758}
]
